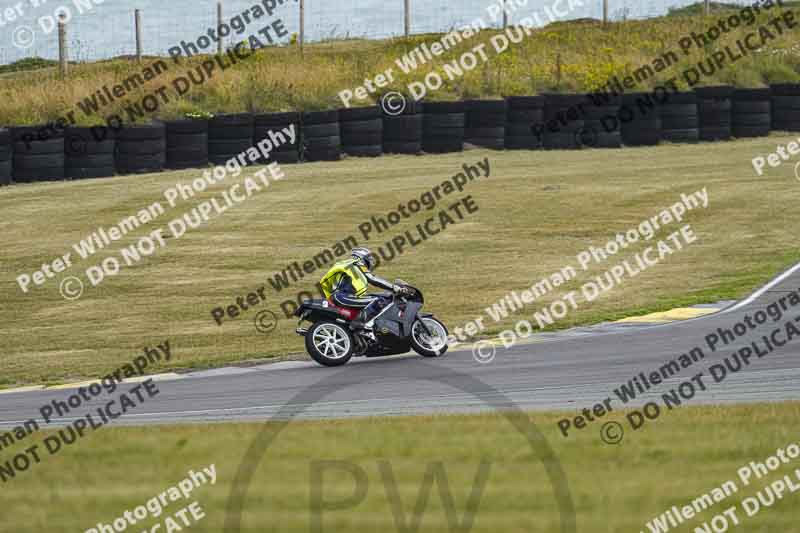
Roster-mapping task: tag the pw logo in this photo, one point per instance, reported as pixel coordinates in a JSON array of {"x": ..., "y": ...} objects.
[{"x": 435, "y": 473}]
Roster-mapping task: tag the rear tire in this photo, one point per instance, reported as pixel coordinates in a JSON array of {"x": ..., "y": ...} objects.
[
  {"x": 329, "y": 343},
  {"x": 424, "y": 348}
]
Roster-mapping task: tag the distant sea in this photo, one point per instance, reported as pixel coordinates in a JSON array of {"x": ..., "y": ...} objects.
[{"x": 107, "y": 30}]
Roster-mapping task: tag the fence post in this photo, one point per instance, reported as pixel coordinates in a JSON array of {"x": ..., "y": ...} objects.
[
  {"x": 558, "y": 70},
  {"x": 408, "y": 18},
  {"x": 63, "y": 57},
  {"x": 220, "y": 47},
  {"x": 505, "y": 15},
  {"x": 302, "y": 24},
  {"x": 605, "y": 12},
  {"x": 708, "y": 7},
  {"x": 137, "y": 15}
]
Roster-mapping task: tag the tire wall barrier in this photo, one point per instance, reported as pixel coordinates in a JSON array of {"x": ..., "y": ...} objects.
[
  {"x": 485, "y": 124},
  {"x": 600, "y": 130},
  {"x": 752, "y": 113},
  {"x": 34, "y": 159},
  {"x": 322, "y": 139},
  {"x": 714, "y": 110},
  {"x": 361, "y": 130},
  {"x": 42, "y": 152},
  {"x": 141, "y": 148},
  {"x": 6, "y": 154},
  {"x": 563, "y": 123},
  {"x": 87, "y": 157},
  {"x": 786, "y": 107},
  {"x": 640, "y": 120},
  {"x": 402, "y": 133},
  {"x": 443, "y": 127},
  {"x": 187, "y": 143},
  {"x": 288, "y": 152},
  {"x": 524, "y": 113},
  {"x": 229, "y": 135},
  {"x": 679, "y": 119}
]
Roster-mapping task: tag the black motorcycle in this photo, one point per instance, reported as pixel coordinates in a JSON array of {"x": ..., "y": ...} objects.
[{"x": 331, "y": 339}]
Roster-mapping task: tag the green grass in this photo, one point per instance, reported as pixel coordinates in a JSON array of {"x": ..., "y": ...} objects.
[
  {"x": 698, "y": 8},
  {"x": 619, "y": 488},
  {"x": 29, "y": 63},
  {"x": 536, "y": 212}
]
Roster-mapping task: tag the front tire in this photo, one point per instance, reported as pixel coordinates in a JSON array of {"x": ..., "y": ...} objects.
[
  {"x": 434, "y": 345},
  {"x": 329, "y": 343}
]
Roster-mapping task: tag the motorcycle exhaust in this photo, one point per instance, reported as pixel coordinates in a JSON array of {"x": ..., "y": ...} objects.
[{"x": 301, "y": 331}]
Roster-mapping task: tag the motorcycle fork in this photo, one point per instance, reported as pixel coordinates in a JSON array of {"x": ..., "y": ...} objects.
[{"x": 424, "y": 326}]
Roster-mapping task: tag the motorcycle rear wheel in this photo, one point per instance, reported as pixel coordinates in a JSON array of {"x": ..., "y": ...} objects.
[
  {"x": 329, "y": 343},
  {"x": 423, "y": 344}
]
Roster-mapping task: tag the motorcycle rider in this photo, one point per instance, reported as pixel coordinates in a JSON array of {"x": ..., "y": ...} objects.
[{"x": 346, "y": 283}]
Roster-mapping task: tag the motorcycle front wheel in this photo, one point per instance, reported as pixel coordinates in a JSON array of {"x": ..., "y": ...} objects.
[{"x": 431, "y": 343}]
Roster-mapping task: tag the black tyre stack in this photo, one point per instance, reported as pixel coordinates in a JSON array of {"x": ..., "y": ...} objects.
[
  {"x": 288, "y": 152},
  {"x": 563, "y": 121},
  {"x": 752, "y": 116},
  {"x": 486, "y": 123},
  {"x": 229, "y": 134},
  {"x": 786, "y": 107},
  {"x": 443, "y": 127},
  {"x": 89, "y": 152},
  {"x": 361, "y": 131},
  {"x": 714, "y": 111},
  {"x": 680, "y": 122},
  {"x": 402, "y": 133},
  {"x": 187, "y": 143},
  {"x": 524, "y": 114},
  {"x": 640, "y": 120},
  {"x": 601, "y": 128},
  {"x": 141, "y": 148},
  {"x": 6, "y": 155},
  {"x": 322, "y": 140},
  {"x": 37, "y": 158}
]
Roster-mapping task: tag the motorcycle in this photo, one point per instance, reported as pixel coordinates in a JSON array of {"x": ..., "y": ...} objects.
[{"x": 331, "y": 339}]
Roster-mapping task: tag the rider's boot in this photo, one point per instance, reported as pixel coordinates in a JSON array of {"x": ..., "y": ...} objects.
[{"x": 361, "y": 321}]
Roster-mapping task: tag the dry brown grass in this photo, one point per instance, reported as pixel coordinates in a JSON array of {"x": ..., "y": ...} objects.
[
  {"x": 537, "y": 211},
  {"x": 576, "y": 56}
]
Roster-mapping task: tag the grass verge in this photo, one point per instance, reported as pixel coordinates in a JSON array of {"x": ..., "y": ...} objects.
[
  {"x": 536, "y": 212},
  {"x": 672, "y": 461}
]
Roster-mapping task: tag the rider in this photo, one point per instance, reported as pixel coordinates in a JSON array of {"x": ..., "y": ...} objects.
[{"x": 346, "y": 283}]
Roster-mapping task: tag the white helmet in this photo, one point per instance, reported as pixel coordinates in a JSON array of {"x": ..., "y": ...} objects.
[{"x": 364, "y": 258}]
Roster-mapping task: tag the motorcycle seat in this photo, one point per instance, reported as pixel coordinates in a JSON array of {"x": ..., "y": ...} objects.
[{"x": 350, "y": 313}]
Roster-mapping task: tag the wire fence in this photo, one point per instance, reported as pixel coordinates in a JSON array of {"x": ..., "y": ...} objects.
[{"x": 107, "y": 30}]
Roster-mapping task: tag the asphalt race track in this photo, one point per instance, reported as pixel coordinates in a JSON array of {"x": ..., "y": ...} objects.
[{"x": 568, "y": 373}]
